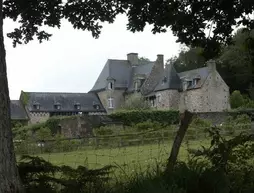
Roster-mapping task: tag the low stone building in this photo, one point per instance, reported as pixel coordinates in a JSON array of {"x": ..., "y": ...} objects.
[
  {"x": 198, "y": 90},
  {"x": 39, "y": 106},
  {"x": 18, "y": 113}
]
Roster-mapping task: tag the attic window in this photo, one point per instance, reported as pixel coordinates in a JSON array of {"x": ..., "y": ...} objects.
[
  {"x": 57, "y": 106},
  {"x": 195, "y": 81},
  {"x": 164, "y": 80},
  {"x": 77, "y": 106},
  {"x": 189, "y": 83},
  {"x": 96, "y": 106},
  {"x": 110, "y": 85},
  {"x": 36, "y": 106}
]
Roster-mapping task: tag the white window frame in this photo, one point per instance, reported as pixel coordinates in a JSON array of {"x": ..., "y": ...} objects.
[
  {"x": 136, "y": 86},
  {"x": 110, "y": 103},
  {"x": 110, "y": 85},
  {"x": 194, "y": 82},
  {"x": 159, "y": 98}
]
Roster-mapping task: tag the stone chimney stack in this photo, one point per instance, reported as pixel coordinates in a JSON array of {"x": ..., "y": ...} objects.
[
  {"x": 133, "y": 58},
  {"x": 160, "y": 60},
  {"x": 211, "y": 64}
]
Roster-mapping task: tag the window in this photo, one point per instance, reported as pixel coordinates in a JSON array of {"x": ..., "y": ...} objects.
[
  {"x": 189, "y": 84},
  {"x": 194, "y": 82},
  {"x": 136, "y": 86},
  {"x": 164, "y": 80},
  {"x": 111, "y": 103},
  {"x": 110, "y": 85},
  {"x": 159, "y": 98},
  {"x": 153, "y": 103},
  {"x": 57, "y": 106},
  {"x": 77, "y": 106},
  {"x": 36, "y": 106}
]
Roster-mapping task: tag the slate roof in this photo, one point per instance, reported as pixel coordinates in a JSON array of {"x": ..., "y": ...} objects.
[
  {"x": 48, "y": 100},
  {"x": 143, "y": 69},
  {"x": 122, "y": 72},
  {"x": 119, "y": 70},
  {"x": 18, "y": 112},
  {"x": 201, "y": 73},
  {"x": 169, "y": 80}
]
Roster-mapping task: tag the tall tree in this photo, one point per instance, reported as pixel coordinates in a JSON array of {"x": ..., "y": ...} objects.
[
  {"x": 237, "y": 62},
  {"x": 188, "y": 59},
  {"x": 32, "y": 15},
  {"x": 9, "y": 179}
]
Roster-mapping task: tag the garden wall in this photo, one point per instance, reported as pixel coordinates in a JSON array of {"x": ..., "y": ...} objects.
[
  {"x": 82, "y": 126},
  {"x": 219, "y": 117}
]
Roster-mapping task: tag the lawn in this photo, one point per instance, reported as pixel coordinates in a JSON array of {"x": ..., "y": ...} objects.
[{"x": 126, "y": 158}]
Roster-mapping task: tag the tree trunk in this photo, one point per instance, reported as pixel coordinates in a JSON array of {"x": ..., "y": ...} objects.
[
  {"x": 9, "y": 178},
  {"x": 185, "y": 118}
]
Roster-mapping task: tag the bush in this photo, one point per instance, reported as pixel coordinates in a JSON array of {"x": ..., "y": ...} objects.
[
  {"x": 237, "y": 124},
  {"x": 136, "y": 102},
  {"x": 236, "y": 99},
  {"x": 144, "y": 126},
  {"x": 40, "y": 176},
  {"x": 135, "y": 116}
]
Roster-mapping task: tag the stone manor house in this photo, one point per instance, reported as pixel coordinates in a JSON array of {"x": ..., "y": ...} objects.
[{"x": 198, "y": 90}]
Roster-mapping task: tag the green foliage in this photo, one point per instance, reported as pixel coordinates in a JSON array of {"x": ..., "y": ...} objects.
[
  {"x": 24, "y": 98},
  {"x": 136, "y": 102},
  {"x": 43, "y": 134},
  {"x": 148, "y": 125},
  {"x": 187, "y": 59},
  {"x": 135, "y": 116},
  {"x": 40, "y": 176},
  {"x": 236, "y": 99},
  {"x": 236, "y": 124},
  {"x": 104, "y": 130}
]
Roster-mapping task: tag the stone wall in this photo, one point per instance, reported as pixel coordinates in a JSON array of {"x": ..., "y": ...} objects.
[
  {"x": 213, "y": 96},
  {"x": 117, "y": 95},
  {"x": 82, "y": 126},
  {"x": 38, "y": 117},
  {"x": 169, "y": 99}
]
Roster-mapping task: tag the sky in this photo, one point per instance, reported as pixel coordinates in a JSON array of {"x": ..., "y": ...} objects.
[{"x": 72, "y": 60}]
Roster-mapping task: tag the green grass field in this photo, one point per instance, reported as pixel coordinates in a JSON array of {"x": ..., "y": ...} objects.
[{"x": 126, "y": 158}]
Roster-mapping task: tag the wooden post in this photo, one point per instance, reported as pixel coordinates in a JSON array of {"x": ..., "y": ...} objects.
[{"x": 185, "y": 120}]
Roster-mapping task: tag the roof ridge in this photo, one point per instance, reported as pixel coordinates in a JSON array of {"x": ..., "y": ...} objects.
[
  {"x": 192, "y": 70},
  {"x": 58, "y": 92}
]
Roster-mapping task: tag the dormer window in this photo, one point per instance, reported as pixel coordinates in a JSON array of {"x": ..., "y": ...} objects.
[
  {"x": 110, "y": 85},
  {"x": 97, "y": 106},
  {"x": 164, "y": 80},
  {"x": 36, "y": 106},
  {"x": 195, "y": 81},
  {"x": 57, "y": 106},
  {"x": 77, "y": 106}
]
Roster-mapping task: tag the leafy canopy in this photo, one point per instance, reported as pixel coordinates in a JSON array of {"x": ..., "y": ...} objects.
[{"x": 188, "y": 20}]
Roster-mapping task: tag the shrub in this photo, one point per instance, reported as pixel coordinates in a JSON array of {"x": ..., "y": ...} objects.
[
  {"x": 236, "y": 99},
  {"x": 40, "y": 176},
  {"x": 135, "y": 116},
  {"x": 237, "y": 123},
  {"x": 143, "y": 126},
  {"x": 136, "y": 102}
]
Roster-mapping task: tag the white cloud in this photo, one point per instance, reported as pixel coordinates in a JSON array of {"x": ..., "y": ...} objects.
[{"x": 72, "y": 60}]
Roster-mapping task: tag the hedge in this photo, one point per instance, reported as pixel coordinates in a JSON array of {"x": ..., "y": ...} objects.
[{"x": 136, "y": 116}]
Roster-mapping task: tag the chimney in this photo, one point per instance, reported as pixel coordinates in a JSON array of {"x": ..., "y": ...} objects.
[
  {"x": 211, "y": 64},
  {"x": 160, "y": 60},
  {"x": 133, "y": 58}
]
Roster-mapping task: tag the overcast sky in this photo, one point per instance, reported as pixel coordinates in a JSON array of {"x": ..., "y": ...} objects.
[{"x": 72, "y": 60}]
